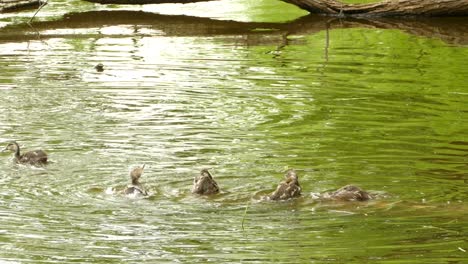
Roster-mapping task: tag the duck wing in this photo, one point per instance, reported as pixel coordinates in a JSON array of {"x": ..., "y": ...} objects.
[
  {"x": 33, "y": 157},
  {"x": 135, "y": 190},
  {"x": 205, "y": 185},
  {"x": 350, "y": 193},
  {"x": 286, "y": 190}
]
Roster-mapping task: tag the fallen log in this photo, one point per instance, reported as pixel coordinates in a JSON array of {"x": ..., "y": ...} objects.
[
  {"x": 337, "y": 8},
  {"x": 14, "y": 5},
  {"x": 386, "y": 8}
]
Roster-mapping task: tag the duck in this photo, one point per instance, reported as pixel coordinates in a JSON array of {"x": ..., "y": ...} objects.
[
  {"x": 287, "y": 189},
  {"x": 136, "y": 188},
  {"x": 348, "y": 193},
  {"x": 204, "y": 184},
  {"x": 99, "y": 67},
  {"x": 35, "y": 157}
]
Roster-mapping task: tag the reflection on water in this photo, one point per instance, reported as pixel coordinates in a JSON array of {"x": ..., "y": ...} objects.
[{"x": 378, "y": 108}]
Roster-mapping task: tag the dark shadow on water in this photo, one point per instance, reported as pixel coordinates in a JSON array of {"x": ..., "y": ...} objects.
[{"x": 450, "y": 30}]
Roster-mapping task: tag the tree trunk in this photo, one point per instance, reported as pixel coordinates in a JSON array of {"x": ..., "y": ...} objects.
[
  {"x": 386, "y": 8},
  {"x": 13, "y": 5},
  {"x": 335, "y": 7}
]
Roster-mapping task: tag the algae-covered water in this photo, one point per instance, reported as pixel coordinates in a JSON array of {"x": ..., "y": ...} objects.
[{"x": 248, "y": 89}]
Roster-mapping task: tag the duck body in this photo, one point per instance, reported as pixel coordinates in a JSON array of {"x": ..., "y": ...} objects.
[
  {"x": 287, "y": 189},
  {"x": 35, "y": 157},
  {"x": 136, "y": 188},
  {"x": 348, "y": 193},
  {"x": 204, "y": 184}
]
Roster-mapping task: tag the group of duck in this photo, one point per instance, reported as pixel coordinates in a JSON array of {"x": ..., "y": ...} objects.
[{"x": 204, "y": 184}]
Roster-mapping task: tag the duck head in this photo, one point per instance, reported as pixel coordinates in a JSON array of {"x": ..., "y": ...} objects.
[
  {"x": 14, "y": 147},
  {"x": 291, "y": 175},
  {"x": 136, "y": 173}
]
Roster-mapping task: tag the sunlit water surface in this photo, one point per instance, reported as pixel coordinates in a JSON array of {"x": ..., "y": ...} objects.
[{"x": 381, "y": 109}]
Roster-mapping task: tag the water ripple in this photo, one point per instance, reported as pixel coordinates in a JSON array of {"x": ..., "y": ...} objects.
[{"x": 372, "y": 115}]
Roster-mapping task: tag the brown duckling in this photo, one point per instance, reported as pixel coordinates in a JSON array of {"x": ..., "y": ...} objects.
[
  {"x": 34, "y": 157},
  {"x": 287, "y": 189},
  {"x": 204, "y": 184},
  {"x": 136, "y": 188},
  {"x": 349, "y": 193},
  {"x": 99, "y": 67}
]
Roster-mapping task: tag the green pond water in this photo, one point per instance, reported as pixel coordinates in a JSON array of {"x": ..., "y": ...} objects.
[{"x": 248, "y": 89}]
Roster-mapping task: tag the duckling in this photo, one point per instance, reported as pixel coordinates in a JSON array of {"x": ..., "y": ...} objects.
[
  {"x": 99, "y": 67},
  {"x": 349, "y": 193},
  {"x": 287, "y": 189},
  {"x": 204, "y": 184},
  {"x": 34, "y": 157},
  {"x": 136, "y": 188}
]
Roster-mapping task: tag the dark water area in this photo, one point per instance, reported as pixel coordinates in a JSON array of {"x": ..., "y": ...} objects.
[{"x": 379, "y": 103}]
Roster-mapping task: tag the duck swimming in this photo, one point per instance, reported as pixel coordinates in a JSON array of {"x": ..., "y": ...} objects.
[
  {"x": 99, "y": 67},
  {"x": 136, "y": 188},
  {"x": 287, "y": 189},
  {"x": 348, "y": 193},
  {"x": 204, "y": 184},
  {"x": 34, "y": 157}
]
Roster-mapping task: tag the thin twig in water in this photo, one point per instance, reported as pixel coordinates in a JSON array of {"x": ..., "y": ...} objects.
[
  {"x": 245, "y": 213},
  {"x": 38, "y": 35},
  {"x": 327, "y": 41},
  {"x": 37, "y": 11}
]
